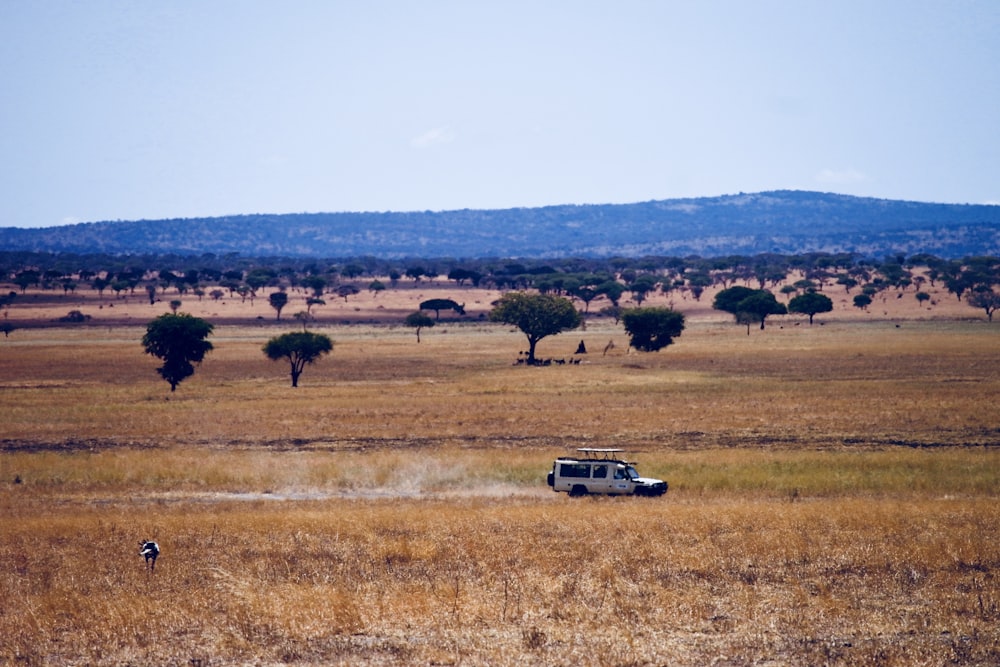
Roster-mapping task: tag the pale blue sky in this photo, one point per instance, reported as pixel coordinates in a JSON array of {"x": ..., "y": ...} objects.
[{"x": 126, "y": 109}]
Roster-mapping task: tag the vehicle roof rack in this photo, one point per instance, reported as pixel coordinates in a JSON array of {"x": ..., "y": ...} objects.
[{"x": 604, "y": 452}]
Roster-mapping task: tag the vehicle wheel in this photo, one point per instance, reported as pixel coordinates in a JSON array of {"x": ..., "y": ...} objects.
[{"x": 578, "y": 490}]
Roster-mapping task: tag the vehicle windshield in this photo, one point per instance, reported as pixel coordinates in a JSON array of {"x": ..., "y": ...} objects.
[{"x": 632, "y": 472}]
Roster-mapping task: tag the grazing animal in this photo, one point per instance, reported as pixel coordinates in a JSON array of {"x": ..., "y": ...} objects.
[
  {"x": 149, "y": 550},
  {"x": 437, "y": 305}
]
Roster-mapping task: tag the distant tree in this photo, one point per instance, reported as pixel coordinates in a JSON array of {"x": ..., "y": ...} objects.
[
  {"x": 229, "y": 285},
  {"x": 805, "y": 285},
  {"x": 847, "y": 281},
  {"x": 151, "y": 293},
  {"x": 747, "y": 305},
  {"x": 461, "y": 275},
  {"x": 376, "y": 286},
  {"x": 352, "y": 271},
  {"x": 923, "y": 297},
  {"x": 99, "y": 284},
  {"x": 537, "y": 315},
  {"x": 612, "y": 289},
  {"x": 642, "y": 286},
  {"x": 585, "y": 293},
  {"x": 179, "y": 340},
  {"x": 167, "y": 277},
  {"x": 7, "y": 328},
  {"x": 759, "y": 305},
  {"x": 174, "y": 305},
  {"x": 345, "y": 291},
  {"x": 310, "y": 302},
  {"x": 728, "y": 299},
  {"x": 299, "y": 348},
  {"x": 260, "y": 277},
  {"x": 698, "y": 281},
  {"x": 316, "y": 283},
  {"x": 278, "y": 301},
  {"x": 811, "y": 303},
  {"x": 216, "y": 294},
  {"x": 652, "y": 329},
  {"x": 862, "y": 301},
  {"x": 418, "y": 321},
  {"x": 987, "y": 300}
]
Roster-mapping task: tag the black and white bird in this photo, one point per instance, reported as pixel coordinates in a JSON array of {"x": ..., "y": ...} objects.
[{"x": 149, "y": 550}]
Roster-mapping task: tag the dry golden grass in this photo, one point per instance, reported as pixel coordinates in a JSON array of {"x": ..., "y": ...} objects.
[
  {"x": 925, "y": 383},
  {"x": 833, "y": 499},
  {"x": 508, "y": 580}
]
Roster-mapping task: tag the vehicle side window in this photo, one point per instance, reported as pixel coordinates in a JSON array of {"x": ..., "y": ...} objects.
[
  {"x": 574, "y": 470},
  {"x": 620, "y": 473},
  {"x": 600, "y": 472}
]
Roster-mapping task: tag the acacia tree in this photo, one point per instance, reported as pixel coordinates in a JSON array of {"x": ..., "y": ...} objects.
[
  {"x": 986, "y": 299},
  {"x": 747, "y": 305},
  {"x": 278, "y": 301},
  {"x": 418, "y": 320},
  {"x": 652, "y": 329},
  {"x": 642, "y": 286},
  {"x": 810, "y": 304},
  {"x": 299, "y": 348},
  {"x": 537, "y": 315},
  {"x": 759, "y": 305},
  {"x": 179, "y": 340}
]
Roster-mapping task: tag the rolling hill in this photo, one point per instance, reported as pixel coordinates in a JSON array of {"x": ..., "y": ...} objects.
[{"x": 788, "y": 222}]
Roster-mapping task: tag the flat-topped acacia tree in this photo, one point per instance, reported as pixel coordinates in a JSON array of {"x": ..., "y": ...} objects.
[
  {"x": 299, "y": 348},
  {"x": 179, "y": 340},
  {"x": 418, "y": 321}
]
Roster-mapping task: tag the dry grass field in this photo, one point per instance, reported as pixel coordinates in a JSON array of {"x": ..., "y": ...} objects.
[{"x": 833, "y": 493}]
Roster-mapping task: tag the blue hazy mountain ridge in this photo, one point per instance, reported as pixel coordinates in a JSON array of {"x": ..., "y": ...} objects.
[{"x": 787, "y": 222}]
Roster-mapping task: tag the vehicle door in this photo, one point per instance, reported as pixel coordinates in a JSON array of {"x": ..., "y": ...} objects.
[
  {"x": 602, "y": 478},
  {"x": 621, "y": 482}
]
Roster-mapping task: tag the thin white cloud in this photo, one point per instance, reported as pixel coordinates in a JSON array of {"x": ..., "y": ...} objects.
[
  {"x": 841, "y": 176},
  {"x": 433, "y": 137}
]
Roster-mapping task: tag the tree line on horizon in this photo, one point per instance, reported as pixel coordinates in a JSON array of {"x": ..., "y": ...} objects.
[{"x": 585, "y": 280}]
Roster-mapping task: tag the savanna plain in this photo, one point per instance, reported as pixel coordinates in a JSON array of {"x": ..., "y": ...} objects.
[{"x": 833, "y": 498}]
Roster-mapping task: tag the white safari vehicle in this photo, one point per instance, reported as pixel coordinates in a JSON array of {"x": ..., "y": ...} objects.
[{"x": 601, "y": 471}]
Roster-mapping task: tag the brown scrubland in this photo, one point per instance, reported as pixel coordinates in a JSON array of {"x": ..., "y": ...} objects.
[{"x": 833, "y": 490}]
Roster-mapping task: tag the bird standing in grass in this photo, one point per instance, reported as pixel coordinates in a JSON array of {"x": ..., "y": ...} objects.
[{"x": 149, "y": 550}]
